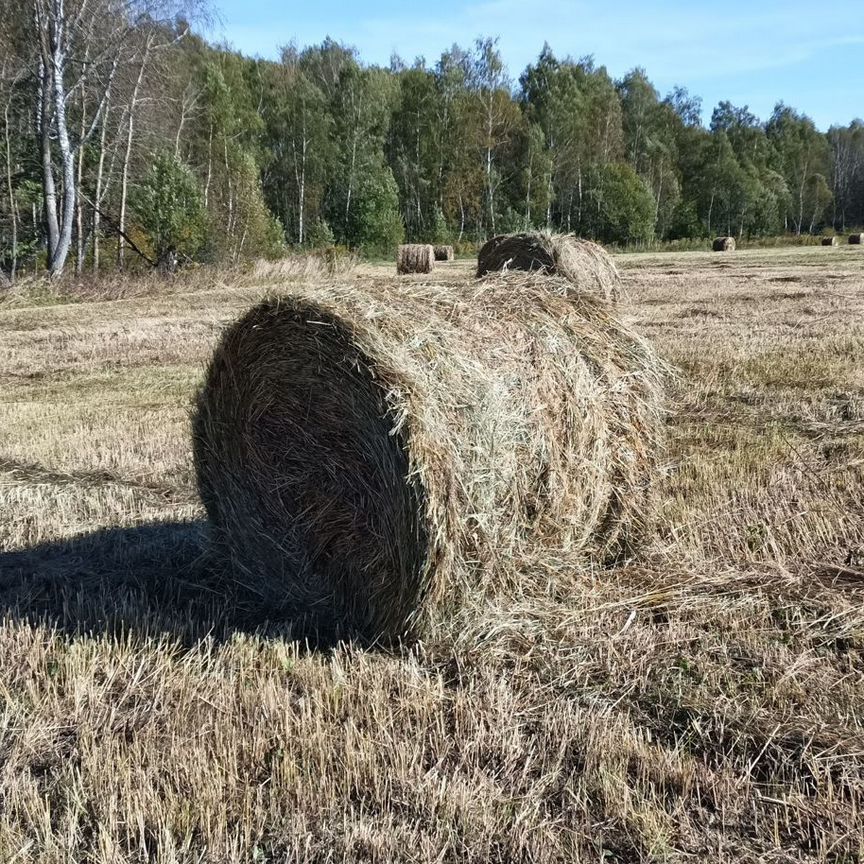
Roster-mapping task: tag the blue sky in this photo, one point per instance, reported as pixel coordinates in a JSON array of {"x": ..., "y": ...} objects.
[{"x": 753, "y": 53}]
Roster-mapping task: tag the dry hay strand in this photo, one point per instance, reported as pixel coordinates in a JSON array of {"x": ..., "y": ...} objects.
[
  {"x": 372, "y": 455},
  {"x": 584, "y": 264},
  {"x": 724, "y": 244},
  {"x": 856, "y": 239},
  {"x": 829, "y": 241},
  {"x": 415, "y": 258},
  {"x": 309, "y": 265},
  {"x": 444, "y": 253}
]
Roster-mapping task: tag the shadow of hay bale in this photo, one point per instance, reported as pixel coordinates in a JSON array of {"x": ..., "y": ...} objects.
[
  {"x": 147, "y": 580},
  {"x": 107, "y": 580},
  {"x": 371, "y": 455}
]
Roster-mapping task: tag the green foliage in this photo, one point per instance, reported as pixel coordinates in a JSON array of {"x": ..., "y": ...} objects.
[
  {"x": 169, "y": 208},
  {"x": 26, "y": 196},
  {"x": 685, "y": 222},
  {"x": 817, "y": 197},
  {"x": 299, "y": 152},
  {"x": 411, "y": 151},
  {"x": 319, "y": 149},
  {"x": 374, "y": 223},
  {"x": 257, "y": 232},
  {"x": 847, "y": 162},
  {"x": 320, "y": 235},
  {"x": 623, "y": 204},
  {"x": 441, "y": 232},
  {"x": 536, "y": 177},
  {"x": 802, "y": 153},
  {"x": 364, "y": 186}
]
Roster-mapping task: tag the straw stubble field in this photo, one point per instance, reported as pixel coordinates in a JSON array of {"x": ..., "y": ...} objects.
[{"x": 705, "y": 699}]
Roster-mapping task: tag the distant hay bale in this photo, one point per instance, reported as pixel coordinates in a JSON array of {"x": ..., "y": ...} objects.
[
  {"x": 582, "y": 263},
  {"x": 856, "y": 239},
  {"x": 444, "y": 253},
  {"x": 724, "y": 244},
  {"x": 829, "y": 241},
  {"x": 415, "y": 258},
  {"x": 370, "y": 455}
]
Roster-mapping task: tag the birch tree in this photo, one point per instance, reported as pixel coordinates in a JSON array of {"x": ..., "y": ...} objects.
[
  {"x": 497, "y": 117},
  {"x": 79, "y": 46},
  {"x": 298, "y": 127}
]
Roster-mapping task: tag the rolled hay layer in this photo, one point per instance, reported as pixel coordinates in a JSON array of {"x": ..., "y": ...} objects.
[
  {"x": 415, "y": 258},
  {"x": 444, "y": 253},
  {"x": 856, "y": 239},
  {"x": 724, "y": 244},
  {"x": 584, "y": 264},
  {"x": 370, "y": 455},
  {"x": 829, "y": 241}
]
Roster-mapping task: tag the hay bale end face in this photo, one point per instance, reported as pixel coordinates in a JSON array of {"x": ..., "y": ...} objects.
[
  {"x": 829, "y": 241},
  {"x": 587, "y": 266},
  {"x": 724, "y": 244},
  {"x": 415, "y": 258},
  {"x": 371, "y": 455},
  {"x": 856, "y": 239},
  {"x": 444, "y": 253}
]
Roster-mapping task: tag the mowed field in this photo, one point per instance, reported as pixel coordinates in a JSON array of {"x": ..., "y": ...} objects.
[{"x": 705, "y": 700}]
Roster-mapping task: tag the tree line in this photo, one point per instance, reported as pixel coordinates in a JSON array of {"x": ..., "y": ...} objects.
[{"x": 129, "y": 140}]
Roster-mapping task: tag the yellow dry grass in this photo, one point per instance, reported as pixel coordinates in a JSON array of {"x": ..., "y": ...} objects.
[{"x": 707, "y": 700}]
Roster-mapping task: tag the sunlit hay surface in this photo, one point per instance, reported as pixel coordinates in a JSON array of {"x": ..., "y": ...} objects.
[
  {"x": 415, "y": 258},
  {"x": 704, "y": 702},
  {"x": 311, "y": 265},
  {"x": 529, "y": 425},
  {"x": 582, "y": 263}
]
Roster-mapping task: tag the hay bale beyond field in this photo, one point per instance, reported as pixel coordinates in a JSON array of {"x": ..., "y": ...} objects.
[
  {"x": 829, "y": 241},
  {"x": 724, "y": 244},
  {"x": 370, "y": 455},
  {"x": 856, "y": 239},
  {"x": 444, "y": 253},
  {"x": 584, "y": 264},
  {"x": 415, "y": 258}
]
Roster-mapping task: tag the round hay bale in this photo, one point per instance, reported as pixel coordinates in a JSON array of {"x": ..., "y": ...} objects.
[
  {"x": 856, "y": 239},
  {"x": 415, "y": 258},
  {"x": 444, "y": 253},
  {"x": 724, "y": 244},
  {"x": 370, "y": 455},
  {"x": 584, "y": 264},
  {"x": 829, "y": 241}
]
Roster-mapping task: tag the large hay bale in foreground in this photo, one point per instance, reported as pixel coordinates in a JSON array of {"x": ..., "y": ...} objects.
[
  {"x": 724, "y": 244},
  {"x": 583, "y": 263},
  {"x": 370, "y": 455},
  {"x": 415, "y": 258},
  {"x": 444, "y": 253},
  {"x": 829, "y": 241},
  {"x": 856, "y": 239}
]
